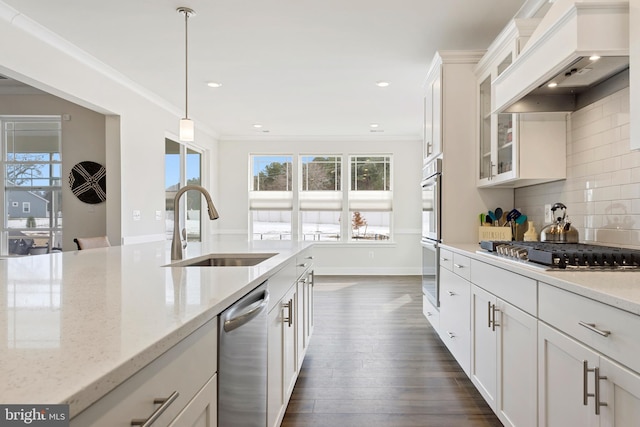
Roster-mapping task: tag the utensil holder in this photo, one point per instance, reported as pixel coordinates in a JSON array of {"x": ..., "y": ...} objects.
[{"x": 494, "y": 233}]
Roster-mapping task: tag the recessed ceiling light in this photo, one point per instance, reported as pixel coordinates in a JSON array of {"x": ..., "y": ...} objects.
[
  {"x": 214, "y": 84},
  {"x": 382, "y": 83},
  {"x": 257, "y": 125},
  {"x": 552, "y": 84},
  {"x": 374, "y": 125},
  {"x": 594, "y": 57}
]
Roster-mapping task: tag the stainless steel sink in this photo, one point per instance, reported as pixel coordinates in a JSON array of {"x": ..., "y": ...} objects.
[{"x": 224, "y": 260}]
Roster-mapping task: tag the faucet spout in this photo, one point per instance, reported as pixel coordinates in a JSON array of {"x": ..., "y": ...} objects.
[{"x": 176, "y": 243}]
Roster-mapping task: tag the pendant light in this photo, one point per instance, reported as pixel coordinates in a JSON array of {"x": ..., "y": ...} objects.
[{"x": 186, "y": 125}]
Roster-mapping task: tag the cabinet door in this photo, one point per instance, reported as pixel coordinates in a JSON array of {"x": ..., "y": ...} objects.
[
  {"x": 517, "y": 339},
  {"x": 275, "y": 386},
  {"x": 201, "y": 411},
  {"x": 621, "y": 392},
  {"x": 483, "y": 344},
  {"x": 561, "y": 380},
  {"x": 289, "y": 341},
  {"x": 433, "y": 116},
  {"x": 455, "y": 316}
]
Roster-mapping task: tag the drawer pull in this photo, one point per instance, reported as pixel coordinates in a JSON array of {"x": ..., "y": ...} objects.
[
  {"x": 164, "y": 404},
  {"x": 451, "y": 293},
  {"x": 429, "y": 314},
  {"x": 458, "y": 265},
  {"x": 444, "y": 259},
  {"x": 309, "y": 257},
  {"x": 592, "y": 328},
  {"x": 451, "y": 335},
  {"x": 303, "y": 265}
]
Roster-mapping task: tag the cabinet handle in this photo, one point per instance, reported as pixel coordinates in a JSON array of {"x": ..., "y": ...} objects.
[
  {"x": 596, "y": 389},
  {"x": 489, "y": 314},
  {"x": 309, "y": 257},
  {"x": 451, "y": 335},
  {"x": 164, "y": 404},
  {"x": 289, "y": 306},
  {"x": 597, "y": 378},
  {"x": 429, "y": 314},
  {"x": 444, "y": 259},
  {"x": 493, "y": 321},
  {"x": 451, "y": 293},
  {"x": 458, "y": 265},
  {"x": 304, "y": 265},
  {"x": 592, "y": 328}
]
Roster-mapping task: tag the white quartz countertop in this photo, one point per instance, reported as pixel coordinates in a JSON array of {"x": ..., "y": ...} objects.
[
  {"x": 620, "y": 289},
  {"x": 74, "y": 325}
]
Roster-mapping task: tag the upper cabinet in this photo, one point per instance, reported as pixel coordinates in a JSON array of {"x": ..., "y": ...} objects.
[
  {"x": 432, "y": 141},
  {"x": 515, "y": 150},
  {"x": 449, "y": 71}
]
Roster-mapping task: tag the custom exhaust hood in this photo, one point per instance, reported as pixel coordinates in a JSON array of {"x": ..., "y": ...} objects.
[{"x": 579, "y": 53}]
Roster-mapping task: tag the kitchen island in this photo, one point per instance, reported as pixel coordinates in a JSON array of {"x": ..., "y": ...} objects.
[{"x": 75, "y": 325}]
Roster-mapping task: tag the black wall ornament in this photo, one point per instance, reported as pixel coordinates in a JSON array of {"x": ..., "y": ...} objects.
[{"x": 88, "y": 181}]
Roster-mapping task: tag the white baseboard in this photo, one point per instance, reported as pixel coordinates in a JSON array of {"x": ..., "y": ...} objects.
[
  {"x": 131, "y": 240},
  {"x": 382, "y": 271}
]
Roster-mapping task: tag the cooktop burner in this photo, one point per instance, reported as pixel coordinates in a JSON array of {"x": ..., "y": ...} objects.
[{"x": 567, "y": 255}]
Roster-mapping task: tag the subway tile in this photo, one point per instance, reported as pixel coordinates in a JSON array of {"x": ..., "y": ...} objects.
[
  {"x": 620, "y": 177},
  {"x": 630, "y": 191}
]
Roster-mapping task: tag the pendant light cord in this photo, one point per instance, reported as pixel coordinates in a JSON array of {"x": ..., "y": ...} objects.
[{"x": 186, "y": 64}]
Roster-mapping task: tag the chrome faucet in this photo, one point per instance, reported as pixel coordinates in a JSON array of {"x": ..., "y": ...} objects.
[{"x": 176, "y": 243}]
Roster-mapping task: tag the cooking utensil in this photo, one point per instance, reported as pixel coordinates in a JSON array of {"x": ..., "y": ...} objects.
[
  {"x": 561, "y": 230},
  {"x": 498, "y": 214}
]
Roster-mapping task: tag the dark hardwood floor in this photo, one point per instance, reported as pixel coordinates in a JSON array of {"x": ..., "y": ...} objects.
[{"x": 375, "y": 361}]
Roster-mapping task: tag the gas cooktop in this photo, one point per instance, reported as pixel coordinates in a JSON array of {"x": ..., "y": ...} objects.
[{"x": 567, "y": 255}]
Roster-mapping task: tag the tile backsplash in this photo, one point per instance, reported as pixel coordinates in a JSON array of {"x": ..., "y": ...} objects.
[{"x": 602, "y": 189}]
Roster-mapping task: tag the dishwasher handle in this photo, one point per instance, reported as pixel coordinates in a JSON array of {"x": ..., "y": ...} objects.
[{"x": 247, "y": 313}]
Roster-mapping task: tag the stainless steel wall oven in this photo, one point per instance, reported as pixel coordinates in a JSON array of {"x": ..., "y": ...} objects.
[{"x": 431, "y": 230}]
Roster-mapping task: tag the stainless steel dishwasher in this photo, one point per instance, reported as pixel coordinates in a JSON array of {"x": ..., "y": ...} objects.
[{"x": 242, "y": 362}]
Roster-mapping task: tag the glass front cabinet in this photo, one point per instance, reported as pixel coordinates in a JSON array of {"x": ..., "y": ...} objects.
[{"x": 514, "y": 149}]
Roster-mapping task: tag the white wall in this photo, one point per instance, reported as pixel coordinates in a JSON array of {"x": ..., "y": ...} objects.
[
  {"x": 83, "y": 138},
  {"x": 401, "y": 256},
  {"x": 136, "y": 149},
  {"x": 602, "y": 189}
]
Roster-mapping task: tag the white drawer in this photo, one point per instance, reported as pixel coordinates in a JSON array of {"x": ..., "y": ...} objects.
[
  {"x": 462, "y": 266},
  {"x": 511, "y": 287},
  {"x": 455, "y": 317},
  {"x": 431, "y": 313},
  {"x": 566, "y": 311},
  {"x": 184, "y": 368},
  {"x": 446, "y": 259}
]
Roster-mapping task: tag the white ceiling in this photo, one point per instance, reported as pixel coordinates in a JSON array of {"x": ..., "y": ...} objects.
[{"x": 298, "y": 67}]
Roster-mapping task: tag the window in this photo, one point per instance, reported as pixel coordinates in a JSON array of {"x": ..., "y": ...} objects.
[
  {"x": 370, "y": 197},
  {"x": 32, "y": 192},
  {"x": 313, "y": 206},
  {"x": 320, "y": 197},
  {"x": 183, "y": 166},
  {"x": 271, "y": 197}
]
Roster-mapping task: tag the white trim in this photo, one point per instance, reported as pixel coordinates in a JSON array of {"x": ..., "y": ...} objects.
[
  {"x": 367, "y": 271},
  {"x": 132, "y": 240},
  {"x": 323, "y": 138}
]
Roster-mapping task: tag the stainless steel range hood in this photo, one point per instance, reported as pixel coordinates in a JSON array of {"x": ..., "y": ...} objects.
[
  {"x": 561, "y": 50},
  {"x": 582, "y": 83}
]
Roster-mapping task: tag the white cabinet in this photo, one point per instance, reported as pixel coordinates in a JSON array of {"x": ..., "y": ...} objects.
[
  {"x": 178, "y": 385},
  {"x": 634, "y": 71},
  {"x": 503, "y": 358},
  {"x": 290, "y": 324},
  {"x": 201, "y": 411},
  {"x": 432, "y": 143},
  {"x": 515, "y": 150},
  {"x": 454, "y": 320},
  {"x": 580, "y": 385}
]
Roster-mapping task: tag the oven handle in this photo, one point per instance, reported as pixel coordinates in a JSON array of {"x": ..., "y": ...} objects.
[{"x": 429, "y": 244}]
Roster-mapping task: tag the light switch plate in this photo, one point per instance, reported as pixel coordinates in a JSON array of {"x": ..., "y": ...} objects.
[
  {"x": 548, "y": 215},
  {"x": 158, "y": 215},
  {"x": 136, "y": 215}
]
